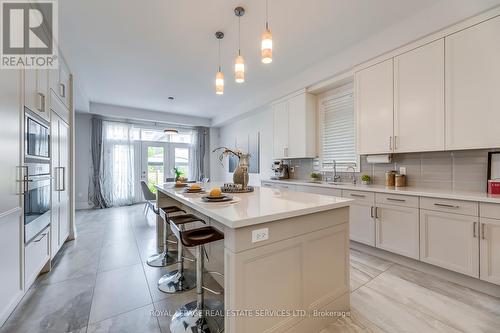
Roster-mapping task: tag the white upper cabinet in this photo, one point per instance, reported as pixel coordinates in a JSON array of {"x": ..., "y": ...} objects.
[
  {"x": 374, "y": 108},
  {"x": 280, "y": 118},
  {"x": 419, "y": 99},
  {"x": 295, "y": 127},
  {"x": 472, "y": 87}
]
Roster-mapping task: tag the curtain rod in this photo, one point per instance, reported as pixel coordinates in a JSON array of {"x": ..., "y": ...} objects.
[{"x": 145, "y": 123}]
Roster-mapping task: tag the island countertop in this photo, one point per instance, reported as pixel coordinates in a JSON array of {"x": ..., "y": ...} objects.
[{"x": 260, "y": 206}]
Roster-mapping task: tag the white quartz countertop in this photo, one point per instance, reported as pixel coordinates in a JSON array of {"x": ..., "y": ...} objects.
[
  {"x": 262, "y": 205},
  {"x": 409, "y": 190}
]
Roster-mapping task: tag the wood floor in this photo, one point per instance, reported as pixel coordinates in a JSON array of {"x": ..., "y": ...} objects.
[{"x": 100, "y": 283}]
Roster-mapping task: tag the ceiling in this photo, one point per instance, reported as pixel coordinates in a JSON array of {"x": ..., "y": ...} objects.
[{"x": 138, "y": 53}]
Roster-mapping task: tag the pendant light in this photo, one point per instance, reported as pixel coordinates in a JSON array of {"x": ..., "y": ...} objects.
[
  {"x": 239, "y": 63},
  {"x": 267, "y": 41},
  {"x": 219, "y": 77}
]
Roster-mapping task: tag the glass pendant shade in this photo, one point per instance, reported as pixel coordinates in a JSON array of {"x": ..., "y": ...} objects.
[
  {"x": 267, "y": 47},
  {"x": 239, "y": 69},
  {"x": 219, "y": 83}
]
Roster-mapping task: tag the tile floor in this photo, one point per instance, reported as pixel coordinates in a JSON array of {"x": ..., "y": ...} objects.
[{"x": 100, "y": 283}]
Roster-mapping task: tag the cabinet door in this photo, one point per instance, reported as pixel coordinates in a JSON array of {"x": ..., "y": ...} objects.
[
  {"x": 362, "y": 224},
  {"x": 280, "y": 113},
  {"x": 64, "y": 83},
  {"x": 472, "y": 81},
  {"x": 450, "y": 241},
  {"x": 64, "y": 212},
  {"x": 490, "y": 250},
  {"x": 54, "y": 145},
  {"x": 374, "y": 108},
  {"x": 11, "y": 226},
  {"x": 397, "y": 230},
  {"x": 419, "y": 99}
]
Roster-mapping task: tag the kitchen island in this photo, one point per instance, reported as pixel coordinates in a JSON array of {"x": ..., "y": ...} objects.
[{"x": 285, "y": 256}]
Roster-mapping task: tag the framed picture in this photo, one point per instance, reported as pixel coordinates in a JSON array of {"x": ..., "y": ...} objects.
[
  {"x": 247, "y": 143},
  {"x": 494, "y": 165}
]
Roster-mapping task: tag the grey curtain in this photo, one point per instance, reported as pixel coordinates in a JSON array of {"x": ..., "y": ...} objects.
[
  {"x": 96, "y": 196},
  {"x": 199, "y": 137}
]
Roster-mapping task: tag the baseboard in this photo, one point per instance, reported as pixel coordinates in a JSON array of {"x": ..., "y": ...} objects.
[
  {"x": 463, "y": 280},
  {"x": 82, "y": 205}
]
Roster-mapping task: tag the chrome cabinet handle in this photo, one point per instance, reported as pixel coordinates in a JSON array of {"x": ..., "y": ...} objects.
[
  {"x": 357, "y": 195},
  {"x": 397, "y": 200},
  {"x": 64, "y": 179},
  {"x": 474, "y": 227},
  {"x": 376, "y": 212},
  {"x": 42, "y": 236},
  {"x": 62, "y": 90},
  {"x": 446, "y": 205},
  {"x": 41, "y": 102},
  {"x": 390, "y": 143},
  {"x": 23, "y": 179},
  {"x": 395, "y": 142},
  {"x": 483, "y": 227},
  {"x": 371, "y": 211}
]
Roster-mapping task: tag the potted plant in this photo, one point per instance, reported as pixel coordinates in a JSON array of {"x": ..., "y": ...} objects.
[
  {"x": 366, "y": 180},
  {"x": 315, "y": 176},
  {"x": 178, "y": 174}
]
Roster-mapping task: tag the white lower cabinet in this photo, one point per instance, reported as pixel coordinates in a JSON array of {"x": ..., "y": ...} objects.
[
  {"x": 361, "y": 217},
  {"x": 490, "y": 250},
  {"x": 450, "y": 241},
  {"x": 36, "y": 256},
  {"x": 397, "y": 230}
]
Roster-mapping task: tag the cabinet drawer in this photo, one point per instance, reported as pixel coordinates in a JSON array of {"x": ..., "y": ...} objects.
[
  {"x": 450, "y": 206},
  {"x": 360, "y": 196},
  {"x": 36, "y": 255},
  {"x": 396, "y": 200},
  {"x": 490, "y": 210}
]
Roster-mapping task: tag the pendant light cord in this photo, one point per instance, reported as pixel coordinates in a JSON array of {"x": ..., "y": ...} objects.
[
  {"x": 219, "y": 58},
  {"x": 267, "y": 14},
  {"x": 239, "y": 35}
]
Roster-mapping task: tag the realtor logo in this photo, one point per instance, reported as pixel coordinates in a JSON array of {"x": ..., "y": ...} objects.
[{"x": 28, "y": 33}]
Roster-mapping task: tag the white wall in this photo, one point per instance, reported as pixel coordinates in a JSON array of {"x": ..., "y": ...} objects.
[
  {"x": 83, "y": 159},
  {"x": 260, "y": 121}
]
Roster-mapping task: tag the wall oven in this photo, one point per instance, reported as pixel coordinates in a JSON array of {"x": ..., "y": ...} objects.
[
  {"x": 36, "y": 199},
  {"x": 37, "y": 137}
]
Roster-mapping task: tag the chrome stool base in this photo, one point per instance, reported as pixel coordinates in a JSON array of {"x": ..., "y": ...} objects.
[
  {"x": 189, "y": 319},
  {"x": 163, "y": 259},
  {"x": 176, "y": 282}
]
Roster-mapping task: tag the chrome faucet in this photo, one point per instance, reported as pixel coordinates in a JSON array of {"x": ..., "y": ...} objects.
[
  {"x": 353, "y": 176},
  {"x": 336, "y": 178}
]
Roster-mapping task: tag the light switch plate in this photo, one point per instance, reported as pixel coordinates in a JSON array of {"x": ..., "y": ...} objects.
[
  {"x": 402, "y": 170},
  {"x": 260, "y": 235}
]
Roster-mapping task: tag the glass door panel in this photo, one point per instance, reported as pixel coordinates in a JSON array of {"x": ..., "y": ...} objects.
[
  {"x": 154, "y": 163},
  {"x": 182, "y": 161}
]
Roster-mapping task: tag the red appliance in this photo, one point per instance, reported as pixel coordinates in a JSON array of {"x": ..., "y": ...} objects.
[{"x": 494, "y": 186}]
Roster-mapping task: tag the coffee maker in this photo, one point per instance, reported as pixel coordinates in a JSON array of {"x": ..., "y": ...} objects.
[{"x": 280, "y": 170}]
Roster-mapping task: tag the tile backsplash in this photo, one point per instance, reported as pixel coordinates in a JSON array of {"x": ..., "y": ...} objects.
[{"x": 457, "y": 170}]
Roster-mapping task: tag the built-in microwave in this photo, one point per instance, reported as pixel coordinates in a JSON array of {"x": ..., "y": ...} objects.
[{"x": 37, "y": 137}]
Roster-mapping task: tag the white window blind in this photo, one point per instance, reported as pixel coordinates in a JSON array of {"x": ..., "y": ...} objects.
[{"x": 338, "y": 131}]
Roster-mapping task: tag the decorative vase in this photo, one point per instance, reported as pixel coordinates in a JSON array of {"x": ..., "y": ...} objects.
[{"x": 240, "y": 175}]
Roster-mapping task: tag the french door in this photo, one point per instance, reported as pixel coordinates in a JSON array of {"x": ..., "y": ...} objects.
[{"x": 158, "y": 159}]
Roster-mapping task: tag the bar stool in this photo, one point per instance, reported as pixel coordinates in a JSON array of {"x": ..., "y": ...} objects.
[
  {"x": 166, "y": 257},
  {"x": 200, "y": 316},
  {"x": 181, "y": 279}
]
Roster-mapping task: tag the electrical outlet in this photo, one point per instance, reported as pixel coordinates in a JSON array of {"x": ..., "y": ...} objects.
[
  {"x": 402, "y": 170},
  {"x": 260, "y": 235}
]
